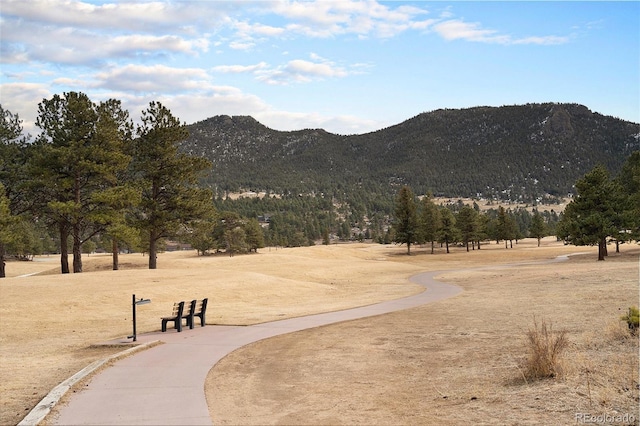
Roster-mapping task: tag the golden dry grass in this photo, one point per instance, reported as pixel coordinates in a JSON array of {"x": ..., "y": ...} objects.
[
  {"x": 454, "y": 362},
  {"x": 468, "y": 345}
]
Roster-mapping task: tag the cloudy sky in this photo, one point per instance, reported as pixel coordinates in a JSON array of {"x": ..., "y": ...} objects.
[{"x": 345, "y": 66}]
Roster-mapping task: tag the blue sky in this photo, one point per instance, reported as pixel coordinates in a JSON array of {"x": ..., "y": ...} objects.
[{"x": 345, "y": 66}]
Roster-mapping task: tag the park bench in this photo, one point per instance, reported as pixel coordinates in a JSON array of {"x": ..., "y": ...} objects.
[
  {"x": 176, "y": 317},
  {"x": 198, "y": 309},
  {"x": 186, "y": 311}
]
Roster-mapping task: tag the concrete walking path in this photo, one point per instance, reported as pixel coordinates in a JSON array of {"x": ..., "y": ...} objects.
[{"x": 165, "y": 383}]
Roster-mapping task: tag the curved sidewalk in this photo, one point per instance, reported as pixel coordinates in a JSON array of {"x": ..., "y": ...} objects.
[{"x": 165, "y": 384}]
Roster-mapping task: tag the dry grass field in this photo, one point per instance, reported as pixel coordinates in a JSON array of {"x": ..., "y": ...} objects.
[
  {"x": 452, "y": 362},
  {"x": 458, "y": 361}
]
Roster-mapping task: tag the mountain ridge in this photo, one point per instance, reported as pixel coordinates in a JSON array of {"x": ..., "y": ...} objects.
[{"x": 519, "y": 152}]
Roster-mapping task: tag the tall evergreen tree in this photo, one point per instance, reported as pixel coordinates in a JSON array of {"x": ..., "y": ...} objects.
[
  {"x": 590, "y": 217},
  {"x": 538, "y": 229},
  {"x": 254, "y": 235},
  {"x": 168, "y": 178},
  {"x": 506, "y": 227},
  {"x": 430, "y": 221},
  {"x": 201, "y": 234},
  {"x": 467, "y": 223},
  {"x": 405, "y": 220},
  {"x": 483, "y": 228},
  {"x": 14, "y": 199},
  {"x": 448, "y": 232},
  {"x": 628, "y": 183},
  {"x": 114, "y": 129}
]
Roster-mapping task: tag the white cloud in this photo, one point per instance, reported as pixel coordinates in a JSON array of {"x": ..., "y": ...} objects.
[
  {"x": 246, "y": 29},
  {"x": 457, "y": 29},
  {"x": 23, "y": 99},
  {"x": 241, "y": 45},
  {"x": 303, "y": 71},
  {"x": 153, "y": 79},
  {"x": 170, "y": 43},
  {"x": 542, "y": 40},
  {"x": 239, "y": 69},
  {"x": 296, "y": 70},
  {"x": 331, "y": 18},
  {"x": 306, "y": 68},
  {"x": 139, "y": 16},
  {"x": 26, "y": 41}
]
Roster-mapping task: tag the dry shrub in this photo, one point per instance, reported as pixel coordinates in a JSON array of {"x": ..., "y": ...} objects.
[
  {"x": 616, "y": 332},
  {"x": 545, "y": 347}
]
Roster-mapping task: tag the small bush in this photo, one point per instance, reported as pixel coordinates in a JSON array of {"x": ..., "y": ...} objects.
[
  {"x": 545, "y": 348},
  {"x": 632, "y": 319}
]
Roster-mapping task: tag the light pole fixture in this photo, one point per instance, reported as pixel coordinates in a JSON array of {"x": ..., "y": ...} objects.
[{"x": 135, "y": 303}]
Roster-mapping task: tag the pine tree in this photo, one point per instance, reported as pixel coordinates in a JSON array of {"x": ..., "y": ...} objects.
[
  {"x": 506, "y": 227},
  {"x": 430, "y": 222},
  {"x": 538, "y": 229},
  {"x": 167, "y": 178},
  {"x": 14, "y": 199},
  {"x": 405, "y": 221},
  {"x": 254, "y": 235},
  {"x": 591, "y": 216},
  {"x": 448, "y": 232},
  {"x": 628, "y": 184},
  {"x": 467, "y": 223}
]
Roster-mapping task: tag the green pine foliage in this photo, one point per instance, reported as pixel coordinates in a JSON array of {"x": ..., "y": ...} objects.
[{"x": 405, "y": 222}]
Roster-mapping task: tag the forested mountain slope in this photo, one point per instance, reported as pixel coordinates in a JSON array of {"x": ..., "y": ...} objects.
[{"x": 512, "y": 152}]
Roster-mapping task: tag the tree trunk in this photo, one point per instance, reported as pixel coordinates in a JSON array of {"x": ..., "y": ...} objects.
[
  {"x": 538, "y": 242},
  {"x": 467, "y": 243},
  {"x": 478, "y": 244},
  {"x": 114, "y": 253},
  {"x": 77, "y": 252},
  {"x": 447, "y": 244},
  {"x": 64, "y": 250},
  {"x": 2, "y": 264},
  {"x": 153, "y": 255},
  {"x": 408, "y": 248},
  {"x": 602, "y": 249},
  {"x": 432, "y": 247}
]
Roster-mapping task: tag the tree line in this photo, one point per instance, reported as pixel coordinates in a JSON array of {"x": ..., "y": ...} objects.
[
  {"x": 603, "y": 210},
  {"x": 92, "y": 173},
  {"x": 93, "y": 179},
  {"x": 422, "y": 221}
]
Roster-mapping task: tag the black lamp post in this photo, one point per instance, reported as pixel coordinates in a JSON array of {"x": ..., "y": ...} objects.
[{"x": 135, "y": 303}]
